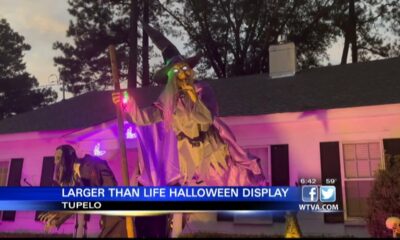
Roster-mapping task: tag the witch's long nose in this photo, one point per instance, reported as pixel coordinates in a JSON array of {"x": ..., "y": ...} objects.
[{"x": 182, "y": 75}]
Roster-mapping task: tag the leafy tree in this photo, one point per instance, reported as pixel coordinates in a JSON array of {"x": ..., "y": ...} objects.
[
  {"x": 84, "y": 64},
  {"x": 392, "y": 18},
  {"x": 384, "y": 200},
  {"x": 18, "y": 89},
  {"x": 235, "y": 35},
  {"x": 364, "y": 25}
]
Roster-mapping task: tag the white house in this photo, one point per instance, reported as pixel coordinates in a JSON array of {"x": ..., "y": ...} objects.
[{"x": 331, "y": 122}]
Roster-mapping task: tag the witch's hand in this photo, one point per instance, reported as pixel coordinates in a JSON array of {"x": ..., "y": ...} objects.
[
  {"x": 116, "y": 98},
  {"x": 48, "y": 226},
  {"x": 50, "y": 220},
  {"x": 121, "y": 98},
  {"x": 189, "y": 89}
]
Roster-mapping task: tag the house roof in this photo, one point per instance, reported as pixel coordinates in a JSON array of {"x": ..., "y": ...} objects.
[{"x": 361, "y": 84}]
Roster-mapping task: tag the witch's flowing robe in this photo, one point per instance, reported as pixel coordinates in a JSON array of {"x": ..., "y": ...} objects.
[{"x": 200, "y": 149}]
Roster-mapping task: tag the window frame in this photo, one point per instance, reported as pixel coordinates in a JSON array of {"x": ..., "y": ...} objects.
[
  {"x": 236, "y": 216},
  {"x": 344, "y": 179},
  {"x": 268, "y": 147}
]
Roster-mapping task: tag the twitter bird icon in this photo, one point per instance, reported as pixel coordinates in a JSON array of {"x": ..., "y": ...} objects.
[{"x": 327, "y": 193}]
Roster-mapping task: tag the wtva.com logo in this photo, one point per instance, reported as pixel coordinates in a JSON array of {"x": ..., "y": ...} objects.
[{"x": 326, "y": 193}]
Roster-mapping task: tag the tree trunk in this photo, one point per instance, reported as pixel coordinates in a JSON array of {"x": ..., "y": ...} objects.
[
  {"x": 132, "y": 66},
  {"x": 353, "y": 31},
  {"x": 145, "y": 46},
  {"x": 345, "y": 49},
  {"x": 350, "y": 35}
]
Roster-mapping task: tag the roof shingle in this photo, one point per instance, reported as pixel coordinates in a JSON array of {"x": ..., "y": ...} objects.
[{"x": 361, "y": 84}]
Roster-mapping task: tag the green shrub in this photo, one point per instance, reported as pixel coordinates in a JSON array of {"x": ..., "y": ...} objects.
[{"x": 384, "y": 199}]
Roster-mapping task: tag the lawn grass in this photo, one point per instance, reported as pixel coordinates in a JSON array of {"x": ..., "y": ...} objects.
[
  {"x": 32, "y": 235},
  {"x": 225, "y": 235},
  {"x": 191, "y": 235},
  {"x": 229, "y": 235}
]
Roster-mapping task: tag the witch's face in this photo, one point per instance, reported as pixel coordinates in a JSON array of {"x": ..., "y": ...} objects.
[{"x": 184, "y": 74}]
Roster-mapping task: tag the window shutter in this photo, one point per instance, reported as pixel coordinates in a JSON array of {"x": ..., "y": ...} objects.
[
  {"x": 280, "y": 165},
  {"x": 330, "y": 168},
  {"x": 46, "y": 178},
  {"x": 280, "y": 172},
  {"x": 392, "y": 147},
  {"x": 14, "y": 178}
]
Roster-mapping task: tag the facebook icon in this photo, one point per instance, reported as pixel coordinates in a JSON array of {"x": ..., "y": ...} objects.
[{"x": 309, "y": 193}]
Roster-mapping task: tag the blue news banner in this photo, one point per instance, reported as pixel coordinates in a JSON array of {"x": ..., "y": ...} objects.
[{"x": 160, "y": 198}]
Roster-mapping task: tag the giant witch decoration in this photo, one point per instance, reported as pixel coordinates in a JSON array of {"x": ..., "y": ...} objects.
[{"x": 182, "y": 139}]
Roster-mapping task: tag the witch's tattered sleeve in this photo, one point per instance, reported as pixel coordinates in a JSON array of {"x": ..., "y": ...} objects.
[
  {"x": 106, "y": 175},
  {"x": 95, "y": 172},
  {"x": 143, "y": 116},
  {"x": 207, "y": 96},
  {"x": 200, "y": 114}
]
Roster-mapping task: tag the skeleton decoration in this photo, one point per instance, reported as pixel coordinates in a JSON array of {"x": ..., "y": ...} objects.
[
  {"x": 88, "y": 171},
  {"x": 393, "y": 223}
]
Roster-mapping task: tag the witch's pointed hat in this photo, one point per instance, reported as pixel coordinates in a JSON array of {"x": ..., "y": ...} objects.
[{"x": 170, "y": 54}]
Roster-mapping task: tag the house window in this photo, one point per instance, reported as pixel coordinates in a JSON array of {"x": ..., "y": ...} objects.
[
  {"x": 4, "y": 168},
  {"x": 361, "y": 161},
  {"x": 249, "y": 218},
  {"x": 257, "y": 218},
  {"x": 263, "y": 154}
]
